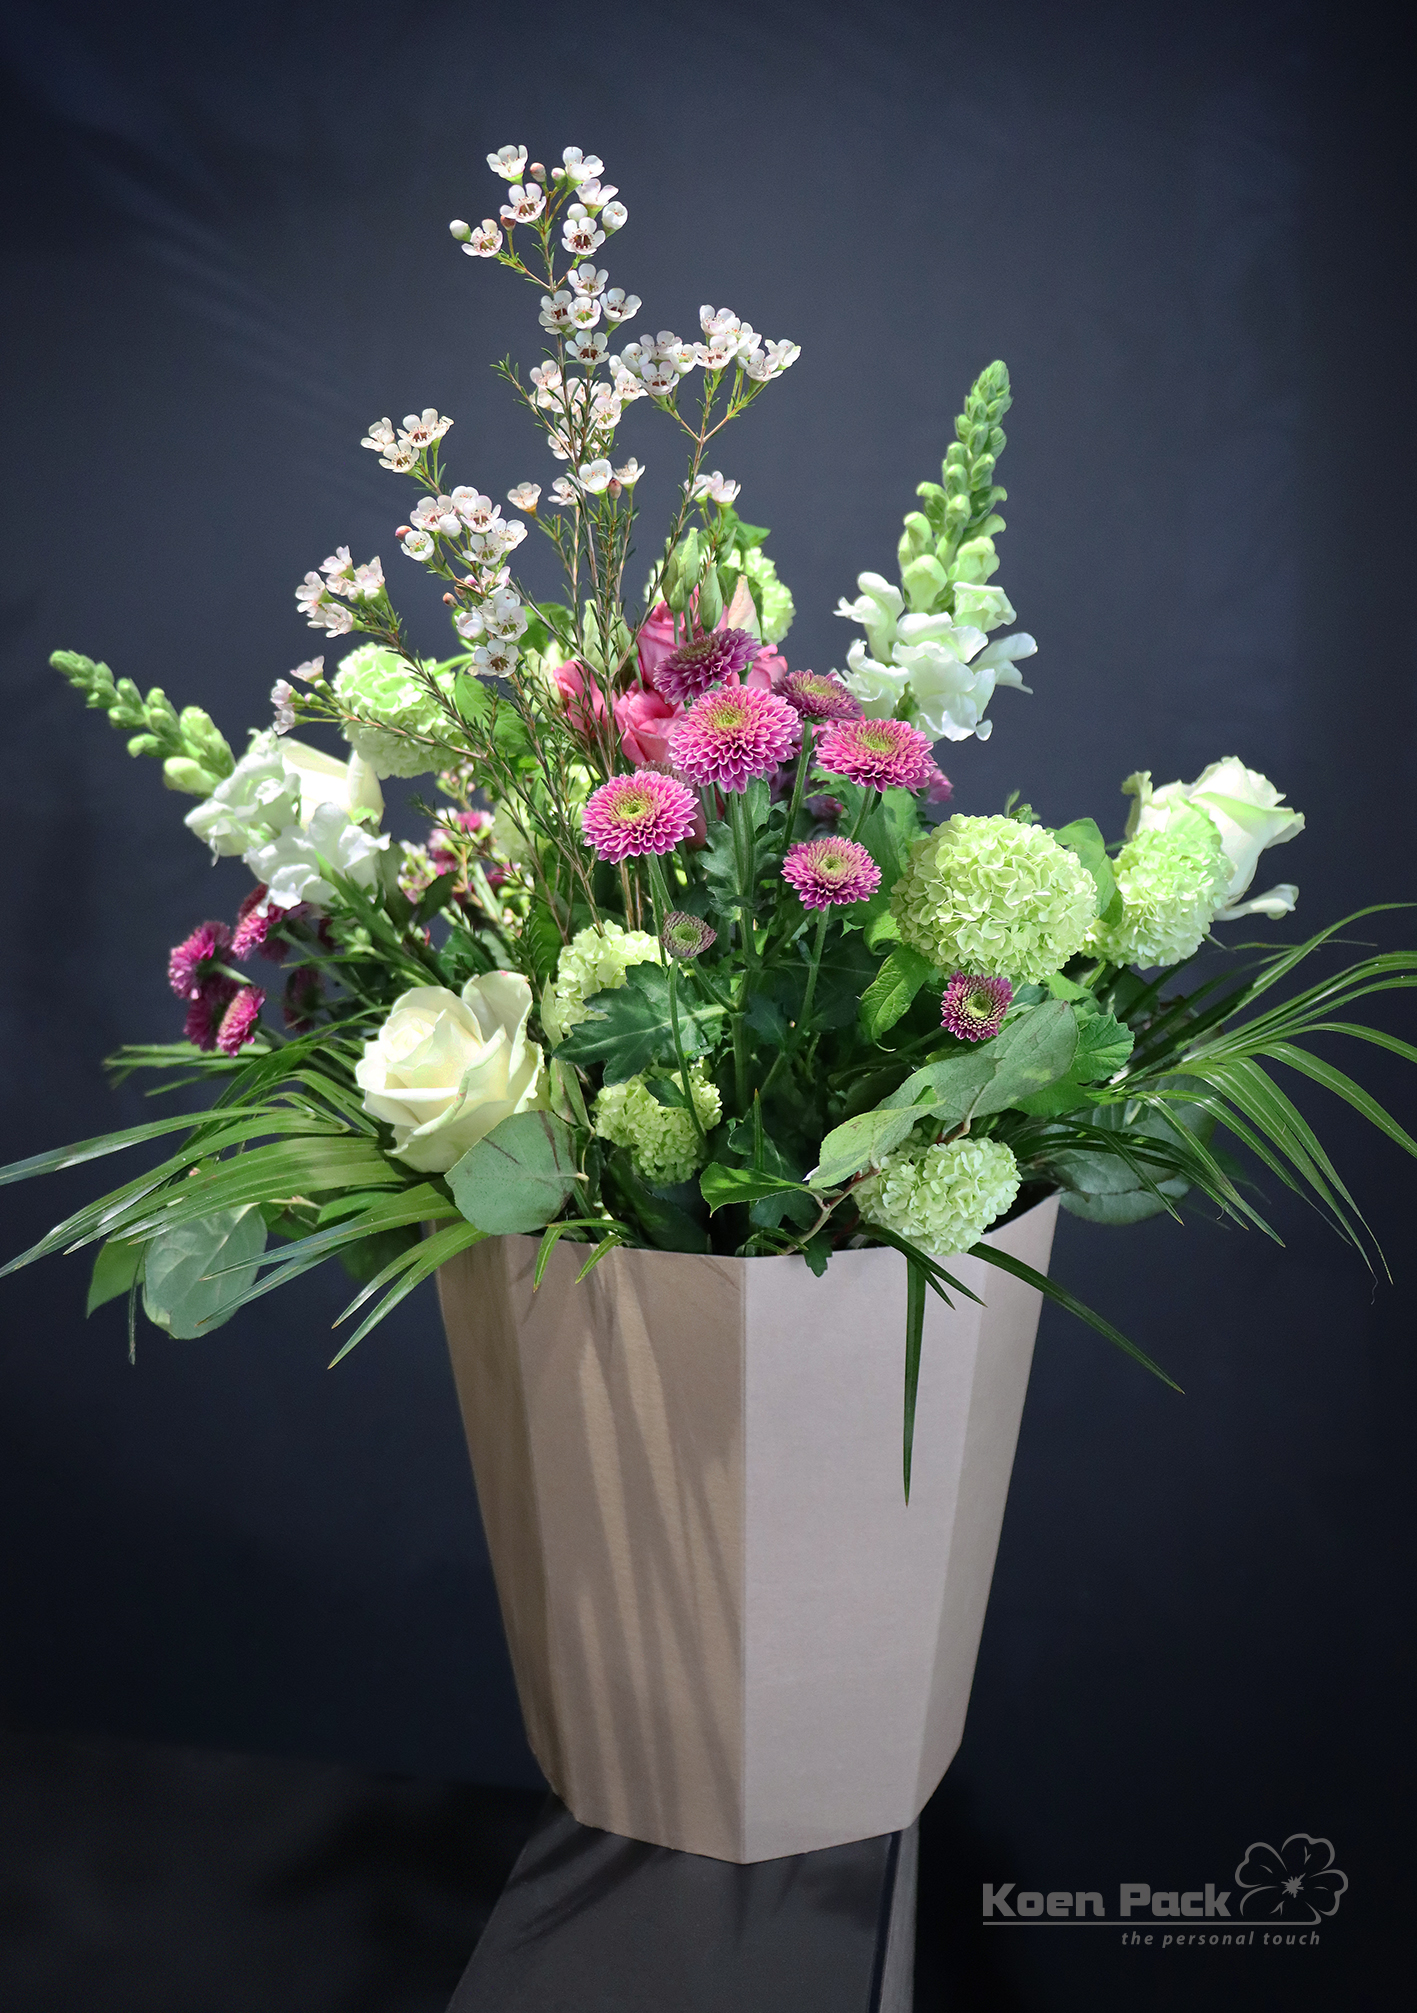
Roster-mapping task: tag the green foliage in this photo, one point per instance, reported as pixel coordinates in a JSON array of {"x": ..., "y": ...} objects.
[
  {"x": 630, "y": 1029},
  {"x": 194, "y": 755},
  {"x": 195, "y": 1273},
  {"x": 518, "y": 1177}
]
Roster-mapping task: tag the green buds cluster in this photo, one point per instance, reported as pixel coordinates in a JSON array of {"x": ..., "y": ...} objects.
[
  {"x": 951, "y": 538},
  {"x": 194, "y": 755},
  {"x": 682, "y": 571}
]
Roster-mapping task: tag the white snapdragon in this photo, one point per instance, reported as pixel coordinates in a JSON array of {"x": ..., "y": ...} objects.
[
  {"x": 715, "y": 487},
  {"x": 578, "y": 167},
  {"x": 283, "y": 700},
  {"x": 941, "y": 670},
  {"x": 278, "y": 785},
  {"x": 524, "y": 204},
  {"x": 291, "y": 863},
  {"x": 620, "y": 306},
  {"x": 580, "y": 234},
  {"x": 525, "y": 496},
  {"x": 508, "y": 162}
]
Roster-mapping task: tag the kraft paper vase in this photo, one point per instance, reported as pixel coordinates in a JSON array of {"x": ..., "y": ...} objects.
[{"x": 730, "y": 1633}]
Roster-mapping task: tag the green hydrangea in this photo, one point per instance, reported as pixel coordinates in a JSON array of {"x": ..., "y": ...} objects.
[
  {"x": 376, "y": 683},
  {"x": 594, "y": 961},
  {"x": 660, "y": 1138},
  {"x": 992, "y": 896},
  {"x": 778, "y": 606},
  {"x": 1171, "y": 882},
  {"x": 942, "y": 1198}
]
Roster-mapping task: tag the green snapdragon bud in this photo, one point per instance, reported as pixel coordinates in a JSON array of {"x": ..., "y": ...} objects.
[{"x": 189, "y": 777}]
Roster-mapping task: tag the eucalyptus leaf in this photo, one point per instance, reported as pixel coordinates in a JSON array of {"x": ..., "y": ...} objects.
[
  {"x": 518, "y": 1177},
  {"x": 114, "y": 1271},
  {"x": 178, "y": 1293},
  {"x": 893, "y": 989}
]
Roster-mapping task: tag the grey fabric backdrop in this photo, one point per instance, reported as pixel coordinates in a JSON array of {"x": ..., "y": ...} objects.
[{"x": 225, "y": 247}]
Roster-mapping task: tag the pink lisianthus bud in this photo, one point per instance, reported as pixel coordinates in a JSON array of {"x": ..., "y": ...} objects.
[
  {"x": 581, "y": 696},
  {"x": 643, "y": 717},
  {"x": 658, "y": 639}
]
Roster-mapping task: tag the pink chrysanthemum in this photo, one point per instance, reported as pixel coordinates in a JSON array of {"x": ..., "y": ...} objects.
[
  {"x": 817, "y": 696},
  {"x": 973, "y": 1008},
  {"x": 881, "y": 754},
  {"x": 826, "y": 872},
  {"x": 644, "y": 813},
  {"x": 188, "y": 963},
  {"x": 238, "y": 1023},
  {"x": 704, "y": 661},
  {"x": 732, "y": 735},
  {"x": 205, "y": 1012}
]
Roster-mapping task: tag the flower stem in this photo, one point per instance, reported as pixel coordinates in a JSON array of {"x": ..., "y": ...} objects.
[
  {"x": 799, "y": 784},
  {"x": 818, "y": 946},
  {"x": 868, "y": 804},
  {"x": 679, "y": 1055}
]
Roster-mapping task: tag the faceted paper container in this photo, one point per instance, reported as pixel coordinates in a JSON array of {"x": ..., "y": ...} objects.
[{"x": 730, "y": 1633}]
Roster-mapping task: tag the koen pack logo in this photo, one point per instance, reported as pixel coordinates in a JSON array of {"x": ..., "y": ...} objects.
[{"x": 1279, "y": 1894}]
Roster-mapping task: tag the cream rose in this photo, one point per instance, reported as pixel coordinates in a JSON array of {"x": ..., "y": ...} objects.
[
  {"x": 1245, "y": 808},
  {"x": 443, "y": 1070}
]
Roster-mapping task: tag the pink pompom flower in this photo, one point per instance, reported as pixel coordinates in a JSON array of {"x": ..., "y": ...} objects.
[
  {"x": 238, "y": 1023},
  {"x": 973, "y": 1008},
  {"x": 826, "y": 872},
  {"x": 189, "y": 963},
  {"x": 879, "y": 754},
  {"x": 819, "y": 697},
  {"x": 644, "y": 813},
  {"x": 705, "y": 661},
  {"x": 732, "y": 735}
]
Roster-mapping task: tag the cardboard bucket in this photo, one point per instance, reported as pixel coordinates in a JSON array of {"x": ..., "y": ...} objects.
[{"x": 730, "y": 1633}]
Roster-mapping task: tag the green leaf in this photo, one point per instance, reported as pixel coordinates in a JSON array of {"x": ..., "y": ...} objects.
[
  {"x": 722, "y": 1186},
  {"x": 518, "y": 1177},
  {"x": 893, "y": 989},
  {"x": 1083, "y": 838},
  {"x": 664, "y": 1223},
  {"x": 914, "y": 1332},
  {"x": 1006, "y": 1262},
  {"x": 416, "y": 1266},
  {"x": 846, "y": 970},
  {"x": 60, "y": 1157},
  {"x": 629, "y": 1028},
  {"x": 178, "y": 1294},
  {"x": 543, "y": 941},
  {"x": 1103, "y": 1045},
  {"x": 114, "y": 1271}
]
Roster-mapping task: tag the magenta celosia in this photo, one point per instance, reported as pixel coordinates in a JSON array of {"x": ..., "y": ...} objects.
[
  {"x": 188, "y": 964},
  {"x": 880, "y": 754},
  {"x": 817, "y": 696},
  {"x": 973, "y": 1008},
  {"x": 238, "y": 1023},
  {"x": 826, "y": 872},
  {"x": 733, "y": 735},
  {"x": 705, "y": 661},
  {"x": 644, "y": 813}
]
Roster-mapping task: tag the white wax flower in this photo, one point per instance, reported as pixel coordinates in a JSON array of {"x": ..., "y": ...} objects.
[
  {"x": 1246, "y": 809},
  {"x": 443, "y": 1070}
]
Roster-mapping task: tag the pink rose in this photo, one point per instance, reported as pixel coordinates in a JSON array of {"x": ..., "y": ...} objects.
[
  {"x": 643, "y": 717},
  {"x": 580, "y": 691},
  {"x": 768, "y": 670},
  {"x": 658, "y": 640}
]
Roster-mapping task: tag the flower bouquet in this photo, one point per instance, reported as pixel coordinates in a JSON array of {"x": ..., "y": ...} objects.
[{"x": 692, "y": 957}]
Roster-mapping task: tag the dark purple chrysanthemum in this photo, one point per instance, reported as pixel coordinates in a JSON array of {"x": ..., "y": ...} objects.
[
  {"x": 644, "y": 813},
  {"x": 238, "y": 1023},
  {"x": 304, "y": 995},
  {"x": 733, "y": 735},
  {"x": 205, "y": 1012},
  {"x": 686, "y": 936},
  {"x": 881, "y": 754},
  {"x": 828, "y": 871},
  {"x": 704, "y": 661},
  {"x": 974, "y": 1007},
  {"x": 188, "y": 965},
  {"x": 818, "y": 697}
]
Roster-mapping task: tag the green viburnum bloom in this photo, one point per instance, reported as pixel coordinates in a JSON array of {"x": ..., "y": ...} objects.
[
  {"x": 1171, "y": 882},
  {"x": 779, "y": 608},
  {"x": 594, "y": 961},
  {"x": 378, "y": 684},
  {"x": 994, "y": 897},
  {"x": 942, "y": 1198},
  {"x": 659, "y": 1138}
]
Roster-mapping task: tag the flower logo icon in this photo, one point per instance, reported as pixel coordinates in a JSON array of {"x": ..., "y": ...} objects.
[{"x": 1293, "y": 1882}]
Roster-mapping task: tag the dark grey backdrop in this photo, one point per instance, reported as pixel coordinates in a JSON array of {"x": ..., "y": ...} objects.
[{"x": 225, "y": 248}]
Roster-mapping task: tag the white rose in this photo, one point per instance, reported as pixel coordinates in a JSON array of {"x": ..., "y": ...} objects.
[
  {"x": 1248, "y": 812},
  {"x": 442, "y": 1071}
]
